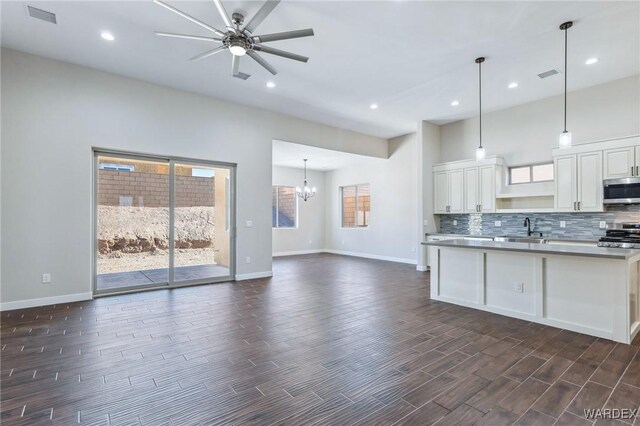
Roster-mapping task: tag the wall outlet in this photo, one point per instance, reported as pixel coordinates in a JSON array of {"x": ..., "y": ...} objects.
[
  {"x": 248, "y": 260},
  {"x": 425, "y": 222},
  {"x": 603, "y": 224},
  {"x": 413, "y": 249},
  {"x": 563, "y": 224},
  {"x": 455, "y": 222},
  {"x": 46, "y": 278},
  {"x": 342, "y": 242},
  {"x": 249, "y": 224},
  {"x": 498, "y": 223},
  {"x": 310, "y": 242},
  {"x": 519, "y": 288}
]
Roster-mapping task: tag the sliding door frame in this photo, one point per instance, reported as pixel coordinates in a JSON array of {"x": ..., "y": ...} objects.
[{"x": 170, "y": 161}]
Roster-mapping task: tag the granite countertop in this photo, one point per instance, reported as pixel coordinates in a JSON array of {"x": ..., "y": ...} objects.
[{"x": 570, "y": 250}]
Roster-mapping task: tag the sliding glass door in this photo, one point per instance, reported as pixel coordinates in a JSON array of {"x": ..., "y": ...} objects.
[{"x": 161, "y": 222}]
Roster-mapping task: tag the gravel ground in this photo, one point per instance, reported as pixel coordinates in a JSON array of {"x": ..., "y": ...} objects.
[{"x": 127, "y": 262}]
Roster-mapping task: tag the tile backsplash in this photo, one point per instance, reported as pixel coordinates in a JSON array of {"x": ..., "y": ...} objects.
[{"x": 577, "y": 225}]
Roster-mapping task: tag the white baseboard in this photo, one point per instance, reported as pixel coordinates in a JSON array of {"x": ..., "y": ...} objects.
[
  {"x": 422, "y": 268},
  {"x": 254, "y": 275},
  {"x": 298, "y": 252},
  {"x": 44, "y": 301},
  {"x": 372, "y": 256}
]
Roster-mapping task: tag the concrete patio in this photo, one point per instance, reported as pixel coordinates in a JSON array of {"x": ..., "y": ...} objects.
[{"x": 123, "y": 280}]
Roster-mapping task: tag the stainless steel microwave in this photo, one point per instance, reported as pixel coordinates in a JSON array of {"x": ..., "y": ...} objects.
[{"x": 622, "y": 191}]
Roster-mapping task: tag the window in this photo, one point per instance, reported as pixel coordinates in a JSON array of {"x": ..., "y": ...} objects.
[
  {"x": 356, "y": 206},
  {"x": 117, "y": 167},
  {"x": 531, "y": 174},
  {"x": 284, "y": 211}
]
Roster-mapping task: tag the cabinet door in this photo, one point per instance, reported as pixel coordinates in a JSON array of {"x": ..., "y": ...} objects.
[
  {"x": 487, "y": 189},
  {"x": 440, "y": 192},
  {"x": 471, "y": 199},
  {"x": 456, "y": 191},
  {"x": 590, "y": 182},
  {"x": 618, "y": 163},
  {"x": 565, "y": 183}
]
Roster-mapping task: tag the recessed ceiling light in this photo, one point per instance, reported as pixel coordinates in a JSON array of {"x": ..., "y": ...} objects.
[
  {"x": 591, "y": 61},
  {"x": 107, "y": 36},
  {"x": 271, "y": 84},
  {"x": 513, "y": 85},
  {"x": 455, "y": 103},
  {"x": 373, "y": 106}
]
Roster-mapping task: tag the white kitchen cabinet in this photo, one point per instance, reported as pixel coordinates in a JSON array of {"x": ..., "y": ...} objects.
[
  {"x": 448, "y": 191},
  {"x": 578, "y": 182},
  {"x": 471, "y": 183},
  {"x": 590, "y": 182},
  {"x": 480, "y": 189},
  {"x": 441, "y": 192},
  {"x": 620, "y": 162},
  {"x": 487, "y": 189}
]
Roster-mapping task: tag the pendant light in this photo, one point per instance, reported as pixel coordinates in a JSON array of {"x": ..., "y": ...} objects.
[
  {"x": 305, "y": 192},
  {"x": 565, "y": 137},
  {"x": 480, "y": 152}
]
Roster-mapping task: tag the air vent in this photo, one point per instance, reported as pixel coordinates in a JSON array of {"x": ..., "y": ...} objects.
[
  {"x": 43, "y": 15},
  {"x": 548, "y": 73}
]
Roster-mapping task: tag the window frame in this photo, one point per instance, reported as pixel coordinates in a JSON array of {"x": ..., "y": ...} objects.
[
  {"x": 296, "y": 219},
  {"x": 355, "y": 186},
  {"x": 530, "y": 167}
]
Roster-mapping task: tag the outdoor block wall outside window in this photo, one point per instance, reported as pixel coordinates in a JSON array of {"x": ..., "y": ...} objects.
[
  {"x": 356, "y": 206},
  {"x": 285, "y": 207},
  {"x": 531, "y": 173}
]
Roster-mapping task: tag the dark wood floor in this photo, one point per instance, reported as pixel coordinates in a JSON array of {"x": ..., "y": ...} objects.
[{"x": 329, "y": 340}]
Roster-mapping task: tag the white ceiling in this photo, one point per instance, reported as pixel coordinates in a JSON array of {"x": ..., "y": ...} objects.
[
  {"x": 288, "y": 154},
  {"x": 410, "y": 57}
]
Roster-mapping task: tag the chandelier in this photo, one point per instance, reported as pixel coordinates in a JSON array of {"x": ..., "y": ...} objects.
[{"x": 306, "y": 191}]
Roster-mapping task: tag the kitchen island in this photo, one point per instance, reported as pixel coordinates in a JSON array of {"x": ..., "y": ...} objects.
[{"x": 591, "y": 290}]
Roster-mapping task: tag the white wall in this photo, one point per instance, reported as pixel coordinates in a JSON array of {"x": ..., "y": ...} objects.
[
  {"x": 53, "y": 113},
  {"x": 391, "y": 233},
  {"x": 526, "y": 134},
  {"x": 309, "y": 235}
]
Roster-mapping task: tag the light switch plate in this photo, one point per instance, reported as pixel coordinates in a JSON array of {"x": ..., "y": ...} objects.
[
  {"x": 46, "y": 278},
  {"x": 498, "y": 223},
  {"x": 603, "y": 224},
  {"x": 563, "y": 224},
  {"x": 455, "y": 222},
  {"x": 249, "y": 224},
  {"x": 519, "y": 288}
]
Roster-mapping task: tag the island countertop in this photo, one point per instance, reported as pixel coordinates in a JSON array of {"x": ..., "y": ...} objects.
[{"x": 568, "y": 249}]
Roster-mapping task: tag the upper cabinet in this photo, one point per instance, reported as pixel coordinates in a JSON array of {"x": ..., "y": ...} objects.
[
  {"x": 578, "y": 182},
  {"x": 621, "y": 162},
  {"x": 480, "y": 189},
  {"x": 448, "y": 191},
  {"x": 466, "y": 186}
]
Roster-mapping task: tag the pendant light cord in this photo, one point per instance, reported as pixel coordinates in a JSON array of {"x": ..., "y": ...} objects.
[
  {"x": 480, "y": 97},
  {"x": 565, "y": 79}
]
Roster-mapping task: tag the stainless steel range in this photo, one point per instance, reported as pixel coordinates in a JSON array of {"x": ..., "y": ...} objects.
[{"x": 623, "y": 235}]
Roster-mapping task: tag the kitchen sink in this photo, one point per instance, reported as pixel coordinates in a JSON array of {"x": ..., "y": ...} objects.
[{"x": 528, "y": 240}]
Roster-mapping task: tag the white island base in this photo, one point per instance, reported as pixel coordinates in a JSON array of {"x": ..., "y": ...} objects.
[{"x": 590, "y": 294}]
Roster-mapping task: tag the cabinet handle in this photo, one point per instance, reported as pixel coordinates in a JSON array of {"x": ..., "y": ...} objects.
[
  {"x": 637, "y": 170},
  {"x": 631, "y": 170},
  {"x": 578, "y": 205},
  {"x": 574, "y": 205}
]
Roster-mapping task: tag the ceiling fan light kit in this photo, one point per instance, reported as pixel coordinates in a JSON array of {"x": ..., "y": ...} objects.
[{"x": 240, "y": 40}]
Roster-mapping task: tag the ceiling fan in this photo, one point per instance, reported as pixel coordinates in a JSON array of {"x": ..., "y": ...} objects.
[{"x": 240, "y": 40}]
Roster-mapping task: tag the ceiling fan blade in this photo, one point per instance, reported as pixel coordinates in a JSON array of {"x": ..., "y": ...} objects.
[
  {"x": 278, "y": 52},
  {"x": 208, "y": 53},
  {"x": 264, "y": 11},
  {"x": 262, "y": 62},
  {"x": 283, "y": 36},
  {"x": 187, "y": 36},
  {"x": 189, "y": 17},
  {"x": 223, "y": 14}
]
